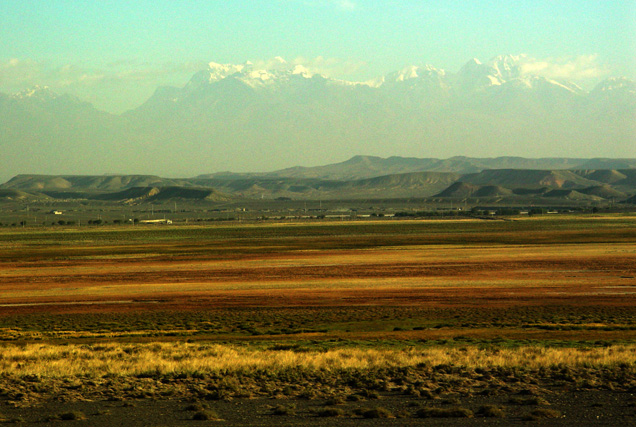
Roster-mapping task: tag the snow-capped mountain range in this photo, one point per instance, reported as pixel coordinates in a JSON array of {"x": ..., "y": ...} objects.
[
  {"x": 474, "y": 75},
  {"x": 246, "y": 117}
]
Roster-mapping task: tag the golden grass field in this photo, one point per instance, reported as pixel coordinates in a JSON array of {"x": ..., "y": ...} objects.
[{"x": 169, "y": 359}]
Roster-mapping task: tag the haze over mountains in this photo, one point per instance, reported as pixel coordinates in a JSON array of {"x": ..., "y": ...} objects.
[{"x": 238, "y": 118}]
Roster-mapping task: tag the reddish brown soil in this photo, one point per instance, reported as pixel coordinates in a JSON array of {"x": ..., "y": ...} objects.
[{"x": 566, "y": 278}]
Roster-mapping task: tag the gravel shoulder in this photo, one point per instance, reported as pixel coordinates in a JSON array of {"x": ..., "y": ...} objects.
[{"x": 580, "y": 408}]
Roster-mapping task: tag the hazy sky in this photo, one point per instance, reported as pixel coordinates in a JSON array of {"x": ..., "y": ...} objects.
[{"x": 115, "y": 53}]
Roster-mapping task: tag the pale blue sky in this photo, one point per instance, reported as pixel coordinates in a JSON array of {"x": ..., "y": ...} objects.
[{"x": 114, "y": 53}]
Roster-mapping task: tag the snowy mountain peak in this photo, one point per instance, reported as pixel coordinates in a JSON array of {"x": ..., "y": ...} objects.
[
  {"x": 221, "y": 71},
  {"x": 413, "y": 72},
  {"x": 475, "y": 76},
  {"x": 261, "y": 75},
  {"x": 508, "y": 60},
  {"x": 504, "y": 73},
  {"x": 407, "y": 73},
  {"x": 570, "y": 86},
  {"x": 500, "y": 70},
  {"x": 616, "y": 84},
  {"x": 41, "y": 93},
  {"x": 507, "y": 66},
  {"x": 432, "y": 69},
  {"x": 35, "y": 91},
  {"x": 302, "y": 71},
  {"x": 474, "y": 66},
  {"x": 274, "y": 70}
]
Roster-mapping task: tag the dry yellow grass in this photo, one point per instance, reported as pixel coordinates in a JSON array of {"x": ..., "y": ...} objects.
[{"x": 115, "y": 359}]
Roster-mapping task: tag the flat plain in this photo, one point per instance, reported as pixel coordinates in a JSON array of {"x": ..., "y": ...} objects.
[{"x": 391, "y": 322}]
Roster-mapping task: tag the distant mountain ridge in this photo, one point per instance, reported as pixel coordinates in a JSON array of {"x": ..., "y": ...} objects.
[
  {"x": 85, "y": 182},
  {"x": 361, "y": 177},
  {"x": 162, "y": 194},
  {"x": 370, "y": 166},
  {"x": 231, "y": 116}
]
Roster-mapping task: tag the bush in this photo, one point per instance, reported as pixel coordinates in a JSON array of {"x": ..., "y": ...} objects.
[
  {"x": 71, "y": 416},
  {"x": 331, "y": 412},
  {"x": 195, "y": 407},
  {"x": 338, "y": 400},
  {"x": 491, "y": 411},
  {"x": 205, "y": 415},
  {"x": 540, "y": 413},
  {"x": 377, "y": 413},
  {"x": 284, "y": 410}
]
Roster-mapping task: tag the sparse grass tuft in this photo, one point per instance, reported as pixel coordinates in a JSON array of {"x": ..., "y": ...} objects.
[
  {"x": 433, "y": 412},
  {"x": 205, "y": 415},
  {"x": 535, "y": 400},
  {"x": 284, "y": 410},
  {"x": 196, "y": 407},
  {"x": 491, "y": 411},
  {"x": 338, "y": 400},
  {"x": 378, "y": 413},
  {"x": 330, "y": 412},
  {"x": 541, "y": 413},
  {"x": 72, "y": 416}
]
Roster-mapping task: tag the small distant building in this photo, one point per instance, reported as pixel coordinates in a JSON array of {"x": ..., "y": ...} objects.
[
  {"x": 156, "y": 221},
  {"x": 338, "y": 216}
]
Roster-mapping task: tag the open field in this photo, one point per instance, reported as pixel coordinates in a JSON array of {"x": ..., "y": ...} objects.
[{"x": 411, "y": 317}]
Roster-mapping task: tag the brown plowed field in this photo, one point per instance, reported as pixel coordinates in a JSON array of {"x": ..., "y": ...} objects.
[
  {"x": 569, "y": 266},
  {"x": 585, "y": 273}
]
